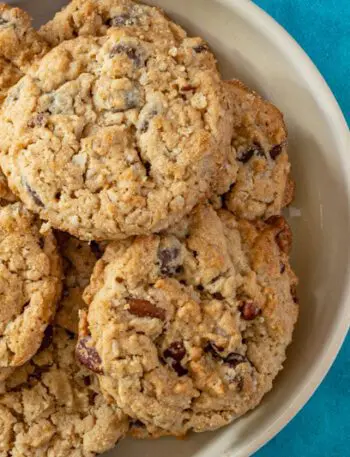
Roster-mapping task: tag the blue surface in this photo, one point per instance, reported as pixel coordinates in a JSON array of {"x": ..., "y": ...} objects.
[{"x": 322, "y": 428}]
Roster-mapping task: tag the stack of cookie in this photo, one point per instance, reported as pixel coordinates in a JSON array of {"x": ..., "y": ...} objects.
[{"x": 145, "y": 278}]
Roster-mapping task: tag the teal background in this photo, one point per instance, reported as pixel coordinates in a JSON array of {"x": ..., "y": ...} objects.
[{"x": 322, "y": 428}]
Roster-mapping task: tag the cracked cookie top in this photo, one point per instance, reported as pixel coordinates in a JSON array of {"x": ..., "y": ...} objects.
[
  {"x": 188, "y": 329},
  {"x": 111, "y": 137},
  {"x": 30, "y": 284},
  {"x": 53, "y": 407}
]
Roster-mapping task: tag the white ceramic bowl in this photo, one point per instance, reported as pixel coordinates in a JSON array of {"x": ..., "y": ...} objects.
[{"x": 251, "y": 46}]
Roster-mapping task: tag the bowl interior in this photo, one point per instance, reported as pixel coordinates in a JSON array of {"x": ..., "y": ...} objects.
[{"x": 250, "y": 46}]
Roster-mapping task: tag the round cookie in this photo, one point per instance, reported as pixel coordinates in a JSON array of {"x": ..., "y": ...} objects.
[
  {"x": 79, "y": 258},
  {"x": 30, "y": 284},
  {"x": 20, "y": 45},
  {"x": 263, "y": 186},
  {"x": 188, "y": 329},
  {"x": 53, "y": 407},
  {"x": 130, "y": 136},
  {"x": 148, "y": 23}
]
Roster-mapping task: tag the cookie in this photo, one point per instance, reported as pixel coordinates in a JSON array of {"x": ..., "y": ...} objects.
[
  {"x": 188, "y": 329},
  {"x": 30, "y": 284},
  {"x": 20, "y": 45},
  {"x": 97, "y": 17},
  {"x": 149, "y": 23},
  {"x": 130, "y": 136},
  {"x": 79, "y": 258},
  {"x": 263, "y": 186},
  {"x": 53, "y": 407}
]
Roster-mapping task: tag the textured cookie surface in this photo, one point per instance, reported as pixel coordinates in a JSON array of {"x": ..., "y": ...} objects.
[
  {"x": 97, "y": 17},
  {"x": 79, "y": 258},
  {"x": 259, "y": 141},
  {"x": 53, "y": 407},
  {"x": 30, "y": 284},
  {"x": 128, "y": 134},
  {"x": 188, "y": 329},
  {"x": 149, "y": 23},
  {"x": 20, "y": 45}
]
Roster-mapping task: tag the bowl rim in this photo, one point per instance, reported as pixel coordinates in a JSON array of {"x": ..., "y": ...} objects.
[{"x": 261, "y": 20}]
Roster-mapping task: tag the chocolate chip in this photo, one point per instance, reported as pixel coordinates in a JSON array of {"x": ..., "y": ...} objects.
[
  {"x": 293, "y": 292},
  {"x": 70, "y": 334},
  {"x": 95, "y": 248},
  {"x": 41, "y": 242},
  {"x": 88, "y": 356},
  {"x": 282, "y": 268},
  {"x": 275, "y": 151},
  {"x": 201, "y": 48},
  {"x": 34, "y": 196},
  {"x": 47, "y": 340},
  {"x": 122, "y": 20},
  {"x": 249, "y": 310},
  {"x": 245, "y": 156},
  {"x": 235, "y": 359},
  {"x": 65, "y": 293},
  {"x": 175, "y": 351},
  {"x": 174, "y": 354},
  {"x": 38, "y": 373},
  {"x": 144, "y": 308},
  {"x": 166, "y": 257},
  {"x": 137, "y": 424},
  {"x": 58, "y": 195},
  {"x": 148, "y": 167},
  {"x": 218, "y": 296},
  {"x": 37, "y": 121},
  {"x": 131, "y": 53},
  {"x": 87, "y": 381},
  {"x": 180, "y": 370},
  {"x": 3, "y": 21},
  {"x": 214, "y": 350}
]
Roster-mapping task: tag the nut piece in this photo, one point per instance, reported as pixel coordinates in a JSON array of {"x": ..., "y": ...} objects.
[
  {"x": 88, "y": 356},
  {"x": 144, "y": 308}
]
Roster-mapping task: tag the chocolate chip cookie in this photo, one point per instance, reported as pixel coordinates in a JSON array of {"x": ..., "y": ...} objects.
[
  {"x": 20, "y": 45},
  {"x": 53, "y": 407},
  {"x": 30, "y": 284},
  {"x": 149, "y": 23},
  {"x": 98, "y": 17},
  {"x": 131, "y": 137},
  {"x": 79, "y": 258},
  {"x": 259, "y": 140},
  {"x": 188, "y": 329}
]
